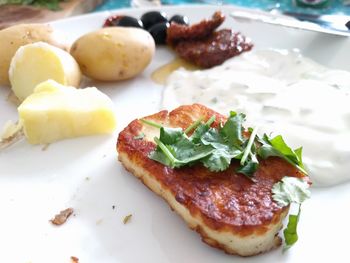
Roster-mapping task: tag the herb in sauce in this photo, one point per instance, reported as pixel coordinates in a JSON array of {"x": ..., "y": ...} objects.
[{"x": 127, "y": 219}]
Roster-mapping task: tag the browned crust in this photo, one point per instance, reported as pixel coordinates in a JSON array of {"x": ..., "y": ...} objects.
[{"x": 225, "y": 201}]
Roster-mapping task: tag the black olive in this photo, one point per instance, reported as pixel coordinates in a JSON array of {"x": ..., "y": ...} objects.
[
  {"x": 182, "y": 20},
  {"x": 348, "y": 24},
  {"x": 159, "y": 32},
  {"x": 124, "y": 21},
  {"x": 153, "y": 17}
]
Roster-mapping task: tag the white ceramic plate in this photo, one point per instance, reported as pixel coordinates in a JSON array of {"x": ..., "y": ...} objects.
[{"x": 84, "y": 174}]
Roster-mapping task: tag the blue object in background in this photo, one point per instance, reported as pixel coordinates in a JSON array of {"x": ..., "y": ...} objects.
[
  {"x": 335, "y": 6},
  {"x": 113, "y": 4}
]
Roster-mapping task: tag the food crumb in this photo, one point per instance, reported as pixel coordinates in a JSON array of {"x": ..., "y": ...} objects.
[
  {"x": 11, "y": 133},
  {"x": 99, "y": 222},
  {"x": 74, "y": 259},
  {"x": 44, "y": 148},
  {"x": 113, "y": 207},
  {"x": 87, "y": 178},
  {"x": 127, "y": 219},
  {"x": 62, "y": 217}
]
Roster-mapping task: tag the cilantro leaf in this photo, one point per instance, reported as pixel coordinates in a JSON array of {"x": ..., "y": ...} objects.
[
  {"x": 233, "y": 129},
  {"x": 187, "y": 152},
  {"x": 160, "y": 157},
  {"x": 277, "y": 147},
  {"x": 290, "y": 232},
  {"x": 219, "y": 160},
  {"x": 201, "y": 130},
  {"x": 248, "y": 169},
  {"x": 170, "y": 135},
  {"x": 291, "y": 190},
  {"x": 180, "y": 151},
  {"x": 164, "y": 155},
  {"x": 279, "y": 144}
]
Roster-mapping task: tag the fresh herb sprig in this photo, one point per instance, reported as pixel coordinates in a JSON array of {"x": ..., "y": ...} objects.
[
  {"x": 49, "y": 4},
  {"x": 291, "y": 190},
  {"x": 216, "y": 147}
]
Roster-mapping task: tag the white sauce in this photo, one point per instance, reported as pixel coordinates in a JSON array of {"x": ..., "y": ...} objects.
[{"x": 283, "y": 92}]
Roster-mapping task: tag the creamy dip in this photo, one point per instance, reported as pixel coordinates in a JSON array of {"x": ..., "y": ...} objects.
[{"x": 283, "y": 93}]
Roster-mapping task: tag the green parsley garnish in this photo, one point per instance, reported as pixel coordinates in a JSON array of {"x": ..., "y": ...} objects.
[
  {"x": 216, "y": 147},
  {"x": 291, "y": 190}
]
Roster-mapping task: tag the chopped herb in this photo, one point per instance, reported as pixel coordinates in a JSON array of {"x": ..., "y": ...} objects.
[
  {"x": 140, "y": 136},
  {"x": 277, "y": 147},
  {"x": 247, "y": 150},
  {"x": 248, "y": 169},
  {"x": 290, "y": 232},
  {"x": 151, "y": 123},
  {"x": 194, "y": 125},
  {"x": 291, "y": 190},
  {"x": 127, "y": 219},
  {"x": 216, "y": 147}
]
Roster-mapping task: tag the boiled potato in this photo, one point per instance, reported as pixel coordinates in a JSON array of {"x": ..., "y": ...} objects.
[
  {"x": 37, "y": 62},
  {"x": 55, "y": 112},
  {"x": 114, "y": 53},
  {"x": 19, "y": 35}
]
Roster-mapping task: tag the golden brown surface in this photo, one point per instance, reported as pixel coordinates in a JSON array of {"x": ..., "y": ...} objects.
[{"x": 224, "y": 206}]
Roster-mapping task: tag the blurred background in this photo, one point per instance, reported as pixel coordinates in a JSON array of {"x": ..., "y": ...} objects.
[
  {"x": 29, "y": 11},
  {"x": 306, "y": 6}
]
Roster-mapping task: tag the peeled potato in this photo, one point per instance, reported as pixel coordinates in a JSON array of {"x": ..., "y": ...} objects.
[
  {"x": 16, "y": 36},
  {"x": 55, "y": 112},
  {"x": 114, "y": 53},
  {"x": 37, "y": 62}
]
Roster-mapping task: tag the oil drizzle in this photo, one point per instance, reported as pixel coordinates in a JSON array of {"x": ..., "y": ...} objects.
[{"x": 161, "y": 74}]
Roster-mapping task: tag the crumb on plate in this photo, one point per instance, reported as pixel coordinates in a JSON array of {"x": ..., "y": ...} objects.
[{"x": 62, "y": 217}]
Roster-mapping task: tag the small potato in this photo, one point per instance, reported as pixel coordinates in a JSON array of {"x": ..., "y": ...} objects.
[
  {"x": 114, "y": 53},
  {"x": 38, "y": 62},
  {"x": 16, "y": 36}
]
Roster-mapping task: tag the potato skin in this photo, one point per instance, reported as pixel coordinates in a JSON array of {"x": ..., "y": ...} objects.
[
  {"x": 114, "y": 53},
  {"x": 16, "y": 36}
]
